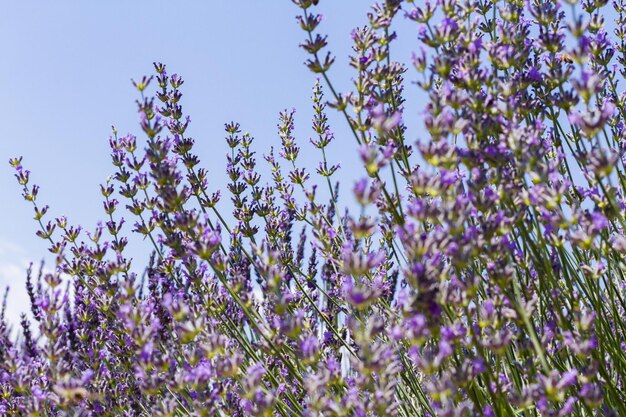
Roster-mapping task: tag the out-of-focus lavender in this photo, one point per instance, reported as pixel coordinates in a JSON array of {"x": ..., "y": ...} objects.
[{"x": 479, "y": 271}]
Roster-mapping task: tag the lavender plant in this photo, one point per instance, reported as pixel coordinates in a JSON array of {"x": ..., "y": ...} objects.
[{"x": 478, "y": 272}]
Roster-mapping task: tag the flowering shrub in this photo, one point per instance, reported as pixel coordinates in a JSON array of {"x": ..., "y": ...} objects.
[{"x": 480, "y": 272}]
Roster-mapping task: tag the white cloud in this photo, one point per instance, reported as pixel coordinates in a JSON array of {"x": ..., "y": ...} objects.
[
  {"x": 10, "y": 250},
  {"x": 13, "y": 265}
]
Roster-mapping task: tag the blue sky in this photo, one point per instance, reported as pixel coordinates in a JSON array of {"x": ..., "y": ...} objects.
[{"x": 66, "y": 79}]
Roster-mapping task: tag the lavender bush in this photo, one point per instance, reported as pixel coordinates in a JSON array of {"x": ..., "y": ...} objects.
[{"x": 478, "y": 272}]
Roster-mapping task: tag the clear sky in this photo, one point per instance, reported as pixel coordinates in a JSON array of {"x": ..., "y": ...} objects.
[{"x": 65, "y": 79}]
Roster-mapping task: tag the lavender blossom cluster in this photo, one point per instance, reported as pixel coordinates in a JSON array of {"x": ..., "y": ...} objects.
[{"x": 478, "y": 272}]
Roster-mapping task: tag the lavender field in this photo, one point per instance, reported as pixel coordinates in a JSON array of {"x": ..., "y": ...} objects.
[{"x": 445, "y": 235}]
